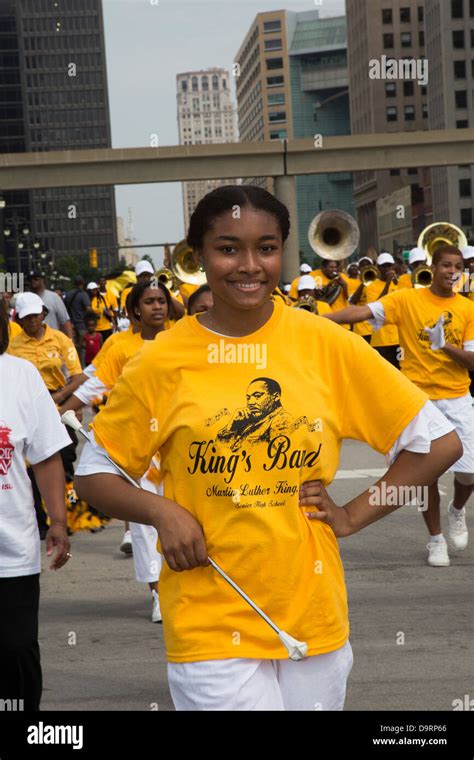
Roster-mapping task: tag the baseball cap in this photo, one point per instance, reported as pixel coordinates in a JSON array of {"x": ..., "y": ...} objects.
[
  {"x": 92, "y": 286},
  {"x": 365, "y": 258},
  {"x": 385, "y": 258},
  {"x": 468, "y": 252},
  {"x": 28, "y": 303},
  {"x": 416, "y": 254},
  {"x": 306, "y": 282},
  {"x": 143, "y": 266},
  {"x": 34, "y": 273},
  {"x": 305, "y": 268}
]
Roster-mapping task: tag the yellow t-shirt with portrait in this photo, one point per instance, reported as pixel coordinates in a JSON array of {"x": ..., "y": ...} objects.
[
  {"x": 360, "y": 328},
  {"x": 238, "y": 428},
  {"x": 388, "y": 335},
  {"x": 433, "y": 371},
  {"x": 52, "y": 354}
]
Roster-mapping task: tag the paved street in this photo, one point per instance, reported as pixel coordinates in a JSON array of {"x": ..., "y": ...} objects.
[{"x": 118, "y": 660}]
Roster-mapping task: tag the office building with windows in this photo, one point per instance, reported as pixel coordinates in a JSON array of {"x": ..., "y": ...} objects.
[
  {"x": 206, "y": 114},
  {"x": 53, "y": 96}
]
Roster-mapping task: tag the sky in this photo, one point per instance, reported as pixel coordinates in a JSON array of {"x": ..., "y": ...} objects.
[{"x": 147, "y": 43}]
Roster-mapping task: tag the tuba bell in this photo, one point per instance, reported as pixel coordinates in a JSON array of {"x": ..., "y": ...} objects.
[
  {"x": 440, "y": 233},
  {"x": 333, "y": 235},
  {"x": 308, "y": 303},
  {"x": 166, "y": 276},
  {"x": 184, "y": 267},
  {"x": 368, "y": 274},
  {"x": 422, "y": 277}
]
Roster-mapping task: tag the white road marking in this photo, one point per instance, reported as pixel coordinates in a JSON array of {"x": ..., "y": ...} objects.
[{"x": 366, "y": 473}]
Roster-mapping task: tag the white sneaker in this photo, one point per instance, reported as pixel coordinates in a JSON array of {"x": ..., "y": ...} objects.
[
  {"x": 438, "y": 553},
  {"x": 126, "y": 545},
  {"x": 156, "y": 612},
  {"x": 457, "y": 529}
]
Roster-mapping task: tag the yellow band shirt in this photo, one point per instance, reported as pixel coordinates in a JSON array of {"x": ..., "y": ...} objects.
[
  {"x": 433, "y": 371},
  {"x": 360, "y": 328},
  {"x": 238, "y": 427},
  {"x": 50, "y": 355},
  {"x": 387, "y": 335}
]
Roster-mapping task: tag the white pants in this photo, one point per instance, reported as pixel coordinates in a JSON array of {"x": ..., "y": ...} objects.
[
  {"x": 146, "y": 558},
  {"x": 460, "y": 412},
  {"x": 317, "y": 683}
]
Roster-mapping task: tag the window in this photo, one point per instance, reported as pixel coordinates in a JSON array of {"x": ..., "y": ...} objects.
[
  {"x": 461, "y": 98},
  {"x": 274, "y": 81},
  {"x": 387, "y": 16},
  {"x": 459, "y": 69},
  {"x": 215, "y": 82},
  {"x": 392, "y": 113},
  {"x": 421, "y": 38},
  {"x": 458, "y": 40},
  {"x": 406, "y": 39},
  {"x": 273, "y": 44},
  {"x": 424, "y": 89},
  {"x": 408, "y": 88},
  {"x": 424, "y": 110},
  {"x": 412, "y": 171},
  {"x": 388, "y": 41},
  {"x": 421, "y": 14},
  {"x": 194, "y": 84},
  {"x": 466, "y": 217},
  {"x": 409, "y": 113},
  {"x": 278, "y": 135},
  {"x": 278, "y": 99},
  {"x": 184, "y": 86},
  {"x": 462, "y": 124},
  {"x": 391, "y": 90},
  {"x": 471, "y": 8},
  {"x": 277, "y": 116},
  {"x": 274, "y": 63},
  {"x": 394, "y": 172},
  {"x": 205, "y": 83},
  {"x": 457, "y": 9},
  {"x": 405, "y": 15},
  {"x": 272, "y": 26},
  {"x": 465, "y": 188}
]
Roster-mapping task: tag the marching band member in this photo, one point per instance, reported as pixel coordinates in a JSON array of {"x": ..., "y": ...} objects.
[
  {"x": 306, "y": 290},
  {"x": 293, "y": 292},
  {"x": 416, "y": 258},
  {"x": 330, "y": 276},
  {"x": 200, "y": 300},
  {"x": 247, "y": 448},
  {"x": 436, "y": 328},
  {"x": 357, "y": 294},
  {"x": 102, "y": 306},
  {"x": 385, "y": 341}
]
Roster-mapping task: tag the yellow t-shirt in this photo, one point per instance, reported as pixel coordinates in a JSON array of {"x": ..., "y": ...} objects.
[
  {"x": 341, "y": 301},
  {"x": 99, "y": 304},
  {"x": 404, "y": 281},
  {"x": 111, "y": 366},
  {"x": 50, "y": 355},
  {"x": 235, "y": 458},
  {"x": 386, "y": 336},
  {"x": 432, "y": 371},
  {"x": 14, "y": 329},
  {"x": 115, "y": 338},
  {"x": 360, "y": 328},
  {"x": 465, "y": 285}
]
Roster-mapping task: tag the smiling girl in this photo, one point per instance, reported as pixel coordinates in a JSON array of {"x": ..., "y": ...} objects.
[{"x": 218, "y": 428}]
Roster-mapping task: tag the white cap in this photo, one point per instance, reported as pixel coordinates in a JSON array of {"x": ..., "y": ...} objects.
[
  {"x": 28, "y": 303},
  {"x": 365, "y": 258},
  {"x": 305, "y": 268},
  {"x": 468, "y": 252},
  {"x": 92, "y": 286},
  {"x": 385, "y": 258},
  {"x": 416, "y": 254},
  {"x": 287, "y": 287},
  {"x": 143, "y": 266},
  {"x": 306, "y": 282}
]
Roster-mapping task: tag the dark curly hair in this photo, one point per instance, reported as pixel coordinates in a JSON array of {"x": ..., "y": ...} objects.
[
  {"x": 223, "y": 199},
  {"x": 137, "y": 292}
]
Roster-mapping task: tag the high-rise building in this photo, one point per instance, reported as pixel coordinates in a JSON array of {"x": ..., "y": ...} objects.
[
  {"x": 388, "y": 102},
  {"x": 206, "y": 114},
  {"x": 292, "y": 83},
  {"x": 449, "y": 26},
  {"x": 53, "y": 96}
]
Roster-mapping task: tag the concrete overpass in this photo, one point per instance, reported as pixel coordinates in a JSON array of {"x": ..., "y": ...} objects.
[{"x": 280, "y": 159}]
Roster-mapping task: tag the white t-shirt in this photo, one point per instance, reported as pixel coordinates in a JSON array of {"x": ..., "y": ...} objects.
[{"x": 30, "y": 427}]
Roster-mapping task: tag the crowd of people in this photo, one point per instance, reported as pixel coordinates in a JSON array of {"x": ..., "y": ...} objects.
[{"x": 229, "y": 460}]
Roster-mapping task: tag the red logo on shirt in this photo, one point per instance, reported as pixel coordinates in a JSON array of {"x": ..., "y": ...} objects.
[{"x": 6, "y": 449}]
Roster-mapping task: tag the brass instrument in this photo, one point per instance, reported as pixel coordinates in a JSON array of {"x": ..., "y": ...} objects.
[
  {"x": 308, "y": 303},
  {"x": 422, "y": 277},
  {"x": 184, "y": 267},
  {"x": 440, "y": 233},
  {"x": 166, "y": 276},
  {"x": 367, "y": 274},
  {"x": 330, "y": 292},
  {"x": 333, "y": 235}
]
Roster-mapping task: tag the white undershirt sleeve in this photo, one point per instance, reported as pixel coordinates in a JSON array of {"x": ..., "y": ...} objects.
[
  {"x": 428, "y": 425},
  {"x": 378, "y": 313}
]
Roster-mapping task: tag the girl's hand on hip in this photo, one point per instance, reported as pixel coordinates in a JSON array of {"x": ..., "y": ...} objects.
[{"x": 314, "y": 494}]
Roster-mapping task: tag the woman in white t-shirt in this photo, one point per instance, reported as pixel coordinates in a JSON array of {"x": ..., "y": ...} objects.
[{"x": 30, "y": 427}]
